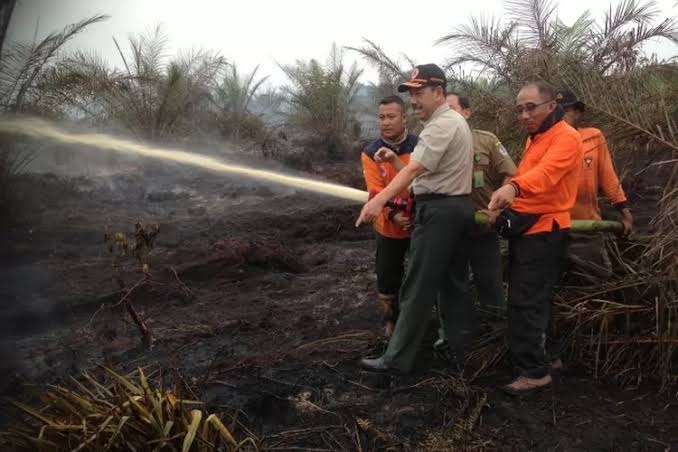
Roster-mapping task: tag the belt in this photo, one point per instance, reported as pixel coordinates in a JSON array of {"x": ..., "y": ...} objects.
[{"x": 432, "y": 196}]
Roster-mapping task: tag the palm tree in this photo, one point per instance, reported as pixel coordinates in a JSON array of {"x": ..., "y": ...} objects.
[
  {"x": 534, "y": 43},
  {"x": 24, "y": 68},
  {"x": 320, "y": 99},
  {"x": 232, "y": 99},
  {"x": 150, "y": 97}
]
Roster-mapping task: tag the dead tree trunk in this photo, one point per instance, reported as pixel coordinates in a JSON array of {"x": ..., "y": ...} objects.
[{"x": 6, "y": 9}]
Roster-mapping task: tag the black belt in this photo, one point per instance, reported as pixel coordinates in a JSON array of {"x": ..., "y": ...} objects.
[{"x": 432, "y": 196}]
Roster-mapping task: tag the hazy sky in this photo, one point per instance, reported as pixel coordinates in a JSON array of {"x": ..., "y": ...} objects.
[{"x": 269, "y": 31}]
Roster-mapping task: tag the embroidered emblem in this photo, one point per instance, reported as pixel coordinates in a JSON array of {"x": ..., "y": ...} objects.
[
  {"x": 588, "y": 161},
  {"x": 503, "y": 151}
]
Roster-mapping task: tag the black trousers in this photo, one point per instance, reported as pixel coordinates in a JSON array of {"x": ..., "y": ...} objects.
[
  {"x": 390, "y": 263},
  {"x": 437, "y": 264},
  {"x": 485, "y": 259},
  {"x": 535, "y": 269}
]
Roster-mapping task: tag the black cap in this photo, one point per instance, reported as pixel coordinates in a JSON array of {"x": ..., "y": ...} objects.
[
  {"x": 567, "y": 99},
  {"x": 424, "y": 75}
]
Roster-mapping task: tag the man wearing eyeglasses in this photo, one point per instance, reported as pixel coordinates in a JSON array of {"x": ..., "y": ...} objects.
[
  {"x": 536, "y": 219},
  {"x": 440, "y": 171}
]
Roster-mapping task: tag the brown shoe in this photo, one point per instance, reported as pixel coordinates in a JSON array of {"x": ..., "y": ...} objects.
[{"x": 525, "y": 385}]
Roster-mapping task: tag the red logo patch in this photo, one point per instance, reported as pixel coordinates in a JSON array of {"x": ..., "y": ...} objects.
[{"x": 414, "y": 74}]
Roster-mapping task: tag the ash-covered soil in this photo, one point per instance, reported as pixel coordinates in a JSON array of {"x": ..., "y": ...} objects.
[{"x": 261, "y": 299}]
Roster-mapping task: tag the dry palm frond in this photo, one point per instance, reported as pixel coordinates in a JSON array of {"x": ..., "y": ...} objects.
[
  {"x": 626, "y": 327},
  {"x": 352, "y": 342},
  {"x": 461, "y": 434},
  {"x": 122, "y": 415},
  {"x": 633, "y": 103}
]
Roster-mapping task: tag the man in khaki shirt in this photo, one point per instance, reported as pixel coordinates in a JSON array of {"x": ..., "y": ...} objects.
[
  {"x": 492, "y": 168},
  {"x": 440, "y": 172}
]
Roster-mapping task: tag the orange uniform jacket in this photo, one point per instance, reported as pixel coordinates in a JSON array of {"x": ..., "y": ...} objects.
[
  {"x": 597, "y": 173},
  {"x": 378, "y": 176},
  {"x": 548, "y": 176}
]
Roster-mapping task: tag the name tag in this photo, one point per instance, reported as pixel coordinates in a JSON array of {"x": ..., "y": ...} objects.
[{"x": 478, "y": 179}]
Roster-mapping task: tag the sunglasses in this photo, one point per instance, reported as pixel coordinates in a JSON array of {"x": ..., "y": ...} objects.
[{"x": 528, "y": 107}]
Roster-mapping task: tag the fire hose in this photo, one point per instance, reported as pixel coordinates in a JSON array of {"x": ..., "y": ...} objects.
[{"x": 407, "y": 206}]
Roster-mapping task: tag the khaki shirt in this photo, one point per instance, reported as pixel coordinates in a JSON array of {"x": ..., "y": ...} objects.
[
  {"x": 445, "y": 149},
  {"x": 491, "y": 164}
]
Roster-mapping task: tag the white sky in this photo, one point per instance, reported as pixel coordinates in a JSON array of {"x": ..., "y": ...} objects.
[{"x": 269, "y": 31}]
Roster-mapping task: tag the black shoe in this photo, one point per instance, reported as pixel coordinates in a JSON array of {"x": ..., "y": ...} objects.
[{"x": 377, "y": 365}]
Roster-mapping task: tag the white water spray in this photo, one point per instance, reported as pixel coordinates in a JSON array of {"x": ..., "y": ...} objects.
[{"x": 42, "y": 129}]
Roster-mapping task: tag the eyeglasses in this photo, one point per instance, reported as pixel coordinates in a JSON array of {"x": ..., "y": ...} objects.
[{"x": 528, "y": 107}]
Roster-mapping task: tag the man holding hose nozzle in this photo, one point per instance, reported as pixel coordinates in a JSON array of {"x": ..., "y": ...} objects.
[
  {"x": 536, "y": 220},
  {"x": 440, "y": 172},
  {"x": 392, "y": 226}
]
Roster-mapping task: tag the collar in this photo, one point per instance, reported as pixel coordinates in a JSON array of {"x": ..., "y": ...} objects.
[
  {"x": 551, "y": 120},
  {"x": 439, "y": 111},
  {"x": 395, "y": 144}
]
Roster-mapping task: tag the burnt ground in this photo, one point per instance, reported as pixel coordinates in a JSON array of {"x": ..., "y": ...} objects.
[{"x": 280, "y": 309}]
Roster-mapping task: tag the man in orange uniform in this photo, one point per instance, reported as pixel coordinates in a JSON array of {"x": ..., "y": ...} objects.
[
  {"x": 587, "y": 251},
  {"x": 392, "y": 227},
  {"x": 541, "y": 195}
]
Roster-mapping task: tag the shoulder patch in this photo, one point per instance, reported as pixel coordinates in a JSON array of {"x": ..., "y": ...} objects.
[{"x": 502, "y": 150}]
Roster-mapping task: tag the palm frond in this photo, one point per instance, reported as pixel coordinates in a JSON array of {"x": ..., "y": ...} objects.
[
  {"x": 573, "y": 39},
  {"x": 536, "y": 19},
  {"x": 23, "y": 64},
  {"x": 320, "y": 99},
  {"x": 391, "y": 71}
]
